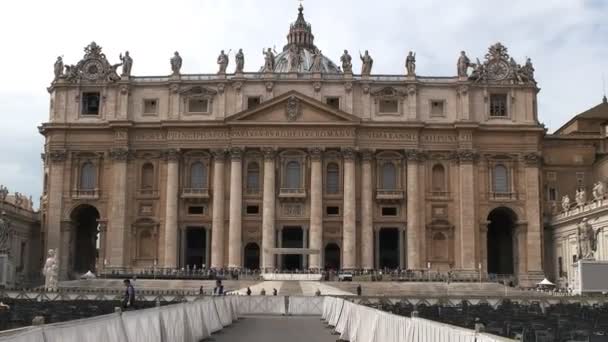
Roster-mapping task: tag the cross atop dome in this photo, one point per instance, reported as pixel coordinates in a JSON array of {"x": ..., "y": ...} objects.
[{"x": 300, "y": 33}]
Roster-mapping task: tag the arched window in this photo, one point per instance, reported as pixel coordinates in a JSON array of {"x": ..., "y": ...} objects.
[
  {"x": 88, "y": 177},
  {"x": 147, "y": 176},
  {"x": 332, "y": 179},
  {"x": 292, "y": 179},
  {"x": 438, "y": 178},
  {"x": 501, "y": 179},
  {"x": 198, "y": 176},
  {"x": 389, "y": 176},
  {"x": 253, "y": 177}
]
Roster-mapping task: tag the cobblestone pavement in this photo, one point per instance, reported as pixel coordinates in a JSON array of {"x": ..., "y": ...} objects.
[{"x": 272, "y": 328}]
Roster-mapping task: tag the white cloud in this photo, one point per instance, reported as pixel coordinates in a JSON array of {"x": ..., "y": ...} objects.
[{"x": 566, "y": 40}]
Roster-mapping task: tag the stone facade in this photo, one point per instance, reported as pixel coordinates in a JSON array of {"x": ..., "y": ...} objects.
[
  {"x": 25, "y": 237},
  {"x": 371, "y": 170}
]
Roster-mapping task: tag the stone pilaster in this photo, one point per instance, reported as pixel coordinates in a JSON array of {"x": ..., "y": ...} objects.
[
  {"x": 236, "y": 209},
  {"x": 171, "y": 213},
  {"x": 118, "y": 209},
  {"x": 316, "y": 207},
  {"x": 217, "y": 223},
  {"x": 349, "y": 219},
  {"x": 268, "y": 211},
  {"x": 483, "y": 246},
  {"x": 367, "y": 229},
  {"x": 467, "y": 217},
  {"x": 414, "y": 233},
  {"x": 55, "y": 191},
  {"x": 533, "y": 213}
]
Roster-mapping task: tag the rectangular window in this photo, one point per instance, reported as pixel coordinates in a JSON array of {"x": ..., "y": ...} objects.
[
  {"x": 580, "y": 179},
  {"x": 198, "y": 106},
  {"x": 552, "y": 194},
  {"x": 389, "y": 211},
  {"x": 498, "y": 105},
  {"x": 253, "y": 210},
  {"x": 90, "y": 103},
  {"x": 333, "y": 102},
  {"x": 389, "y": 106},
  {"x": 253, "y": 101},
  {"x": 332, "y": 211},
  {"x": 551, "y": 176},
  {"x": 150, "y": 106},
  {"x": 196, "y": 210},
  {"x": 437, "y": 107}
]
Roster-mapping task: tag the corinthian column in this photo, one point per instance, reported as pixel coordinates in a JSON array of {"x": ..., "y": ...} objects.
[
  {"x": 349, "y": 219},
  {"x": 236, "y": 202},
  {"x": 467, "y": 223},
  {"x": 118, "y": 212},
  {"x": 367, "y": 231},
  {"x": 414, "y": 259},
  {"x": 316, "y": 207},
  {"x": 533, "y": 215},
  {"x": 268, "y": 216},
  {"x": 170, "y": 243},
  {"x": 56, "y": 161},
  {"x": 217, "y": 223}
]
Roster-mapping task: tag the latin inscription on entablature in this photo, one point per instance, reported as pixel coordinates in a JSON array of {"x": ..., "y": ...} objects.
[
  {"x": 198, "y": 135},
  {"x": 386, "y": 134},
  {"x": 295, "y": 132},
  {"x": 439, "y": 138}
]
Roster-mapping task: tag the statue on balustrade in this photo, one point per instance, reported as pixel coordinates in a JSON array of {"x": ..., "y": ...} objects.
[
  {"x": 176, "y": 63},
  {"x": 268, "y": 60},
  {"x": 239, "y": 58},
  {"x": 410, "y": 64},
  {"x": 316, "y": 61},
  {"x": 463, "y": 64},
  {"x": 5, "y": 234},
  {"x": 58, "y": 68},
  {"x": 368, "y": 62},
  {"x": 581, "y": 197},
  {"x": 51, "y": 271},
  {"x": 587, "y": 240},
  {"x": 222, "y": 61},
  {"x": 598, "y": 191},
  {"x": 127, "y": 64},
  {"x": 566, "y": 203},
  {"x": 347, "y": 64}
]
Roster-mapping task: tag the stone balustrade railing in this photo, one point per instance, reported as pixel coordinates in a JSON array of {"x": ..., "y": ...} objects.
[{"x": 580, "y": 211}]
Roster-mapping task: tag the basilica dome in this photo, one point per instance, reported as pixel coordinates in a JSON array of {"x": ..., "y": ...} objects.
[{"x": 299, "y": 52}]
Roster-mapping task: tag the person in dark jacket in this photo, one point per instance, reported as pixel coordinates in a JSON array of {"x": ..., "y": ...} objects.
[
  {"x": 359, "y": 290},
  {"x": 248, "y": 291},
  {"x": 128, "y": 302}
]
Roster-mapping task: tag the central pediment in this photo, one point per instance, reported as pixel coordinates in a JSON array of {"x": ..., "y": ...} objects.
[{"x": 292, "y": 108}]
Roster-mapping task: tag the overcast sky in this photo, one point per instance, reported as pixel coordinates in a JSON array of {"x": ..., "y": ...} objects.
[{"x": 566, "y": 39}]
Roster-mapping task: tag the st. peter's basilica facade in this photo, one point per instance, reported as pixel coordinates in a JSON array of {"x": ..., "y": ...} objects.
[{"x": 349, "y": 170}]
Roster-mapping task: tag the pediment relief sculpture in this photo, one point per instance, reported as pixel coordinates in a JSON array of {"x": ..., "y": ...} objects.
[
  {"x": 388, "y": 92},
  {"x": 198, "y": 91}
]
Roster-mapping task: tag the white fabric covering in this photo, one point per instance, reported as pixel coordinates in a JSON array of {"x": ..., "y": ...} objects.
[
  {"x": 210, "y": 316},
  {"x": 174, "y": 326},
  {"x": 306, "y": 305},
  {"x": 224, "y": 310},
  {"x": 261, "y": 305},
  {"x": 23, "y": 335},
  {"x": 142, "y": 325},
  {"x": 97, "y": 329},
  {"x": 198, "y": 326}
]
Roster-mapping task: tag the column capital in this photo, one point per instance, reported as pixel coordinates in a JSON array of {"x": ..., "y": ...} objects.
[
  {"x": 58, "y": 156},
  {"x": 236, "y": 153},
  {"x": 120, "y": 154},
  {"x": 467, "y": 156},
  {"x": 218, "y": 154},
  {"x": 269, "y": 153},
  {"x": 171, "y": 154},
  {"x": 348, "y": 153},
  {"x": 316, "y": 153},
  {"x": 532, "y": 159},
  {"x": 415, "y": 155},
  {"x": 367, "y": 155}
]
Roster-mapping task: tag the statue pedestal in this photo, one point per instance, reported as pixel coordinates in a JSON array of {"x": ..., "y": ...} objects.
[
  {"x": 590, "y": 276},
  {"x": 7, "y": 271}
]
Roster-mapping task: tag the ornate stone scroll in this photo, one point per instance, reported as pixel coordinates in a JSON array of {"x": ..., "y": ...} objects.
[
  {"x": 293, "y": 108},
  {"x": 94, "y": 66},
  {"x": 58, "y": 156},
  {"x": 119, "y": 154}
]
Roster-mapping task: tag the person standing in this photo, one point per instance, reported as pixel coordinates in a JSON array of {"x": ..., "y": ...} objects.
[
  {"x": 248, "y": 291},
  {"x": 128, "y": 303},
  {"x": 359, "y": 290}
]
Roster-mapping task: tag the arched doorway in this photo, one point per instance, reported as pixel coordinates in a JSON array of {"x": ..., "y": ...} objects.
[
  {"x": 500, "y": 247},
  {"x": 252, "y": 256},
  {"x": 332, "y": 257},
  {"x": 85, "y": 241},
  {"x": 388, "y": 254}
]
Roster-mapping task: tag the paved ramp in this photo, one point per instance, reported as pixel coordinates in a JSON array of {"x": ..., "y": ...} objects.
[{"x": 268, "y": 328}]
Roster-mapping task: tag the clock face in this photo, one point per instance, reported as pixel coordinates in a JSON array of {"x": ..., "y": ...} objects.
[
  {"x": 93, "y": 69},
  {"x": 498, "y": 70}
]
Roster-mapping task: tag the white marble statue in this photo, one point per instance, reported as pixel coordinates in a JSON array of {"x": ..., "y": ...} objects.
[
  {"x": 581, "y": 197},
  {"x": 566, "y": 203},
  {"x": 50, "y": 271},
  {"x": 587, "y": 240},
  {"x": 598, "y": 191}
]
